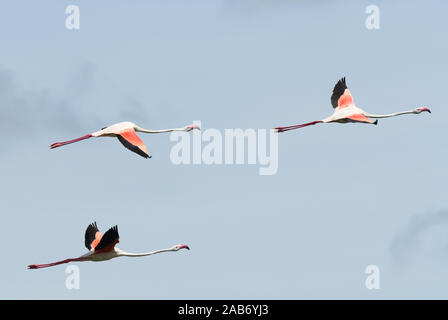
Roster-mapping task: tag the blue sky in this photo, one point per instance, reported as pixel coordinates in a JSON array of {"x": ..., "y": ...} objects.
[{"x": 344, "y": 196}]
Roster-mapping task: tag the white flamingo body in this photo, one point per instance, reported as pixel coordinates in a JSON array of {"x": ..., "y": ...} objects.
[
  {"x": 341, "y": 114},
  {"x": 112, "y": 130},
  {"x": 99, "y": 256},
  {"x": 116, "y": 252}
]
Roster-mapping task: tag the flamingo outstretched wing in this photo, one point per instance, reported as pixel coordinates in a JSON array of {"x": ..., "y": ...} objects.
[
  {"x": 341, "y": 96},
  {"x": 92, "y": 236},
  {"x": 130, "y": 140},
  {"x": 361, "y": 118},
  {"x": 109, "y": 240}
]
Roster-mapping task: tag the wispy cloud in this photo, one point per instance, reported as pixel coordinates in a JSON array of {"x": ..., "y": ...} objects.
[
  {"x": 424, "y": 237},
  {"x": 28, "y": 112},
  {"x": 83, "y": 104}
]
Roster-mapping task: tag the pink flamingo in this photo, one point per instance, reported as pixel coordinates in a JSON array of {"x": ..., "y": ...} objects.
[
  {"x": 102, "y": 248},
  {"x": 345, "y": 110}
]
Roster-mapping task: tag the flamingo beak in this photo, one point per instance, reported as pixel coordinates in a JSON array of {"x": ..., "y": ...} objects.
[
  {"x": 192, "y": 127},
  {"x": 425, "y": 109},
  {"x": 184, "y": 246}
]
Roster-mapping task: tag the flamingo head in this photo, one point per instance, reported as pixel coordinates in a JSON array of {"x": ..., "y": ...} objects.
[
  {"x": 421, "y": 109},
  {"x": 180, "y": 246},
  {"x": 191, "y": 127}
]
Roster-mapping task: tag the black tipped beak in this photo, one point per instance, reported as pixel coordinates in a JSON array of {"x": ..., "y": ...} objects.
[{"x": 187, "y": 247}]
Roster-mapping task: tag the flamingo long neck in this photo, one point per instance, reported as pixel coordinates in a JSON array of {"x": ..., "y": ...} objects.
[
  {"x": 46, "y": 265},
  {"x": 388, "y": 115},
  {"x": 158, "y": 131},
  {"x": 128, "y": 254}
]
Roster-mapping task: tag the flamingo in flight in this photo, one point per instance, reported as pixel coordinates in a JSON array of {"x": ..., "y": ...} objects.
[
  {"x": 345, "y": 110},
  {"x": 102, "y": 248},
  {"x": 126, "y": 134}
]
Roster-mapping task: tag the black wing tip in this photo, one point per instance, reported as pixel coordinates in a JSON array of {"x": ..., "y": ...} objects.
[
  {"x": 90, "y": 234},
  {"x": 141, "y": 152},
  {"x": 338, "y": 90},
  {"x": 109, "y": 237},
  {"x": 341, "y": 84},
  {"x": 131, "y": 147},
  {"x": 115, "y": 231},
  {"x": 92, "y": 227}
]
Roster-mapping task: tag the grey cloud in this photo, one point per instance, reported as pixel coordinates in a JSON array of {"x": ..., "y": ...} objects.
[
  {"x": 29, "y": 112},
  {"x": 424, "y": 237},
  {"x": 82, "y": 80},
  {"x": 82, "y": 105}
]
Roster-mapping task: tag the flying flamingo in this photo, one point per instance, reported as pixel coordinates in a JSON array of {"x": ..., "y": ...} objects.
[
  {"x": 126, "y": 134},
  {"x": 346, "y": 111},
  {"x": 102, "y": 248}
]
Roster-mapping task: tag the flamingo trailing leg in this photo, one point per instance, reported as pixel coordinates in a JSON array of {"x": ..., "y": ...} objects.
[{"x": 345, "y": 110}]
